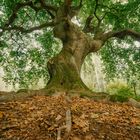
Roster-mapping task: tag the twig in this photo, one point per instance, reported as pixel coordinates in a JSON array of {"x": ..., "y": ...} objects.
[
  {"x": 68, "y": 123},
  {"x": 59, "y": 132}
]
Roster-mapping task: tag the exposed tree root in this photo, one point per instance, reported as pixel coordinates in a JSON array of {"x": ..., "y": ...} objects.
[
  {"x": 68, "y": 122},
  {"x": 12, "y": 96},
  {"x": 134, "y": 103}
]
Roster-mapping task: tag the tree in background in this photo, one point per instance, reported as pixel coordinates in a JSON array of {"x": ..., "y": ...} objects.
[
  {"x": 92, "y": 73},
  {"x": 97, "y": 24}
]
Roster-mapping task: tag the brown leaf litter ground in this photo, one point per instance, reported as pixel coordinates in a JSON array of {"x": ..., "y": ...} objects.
[{"x": 39, "y": 117}]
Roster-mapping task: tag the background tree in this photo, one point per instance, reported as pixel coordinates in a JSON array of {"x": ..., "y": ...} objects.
[{"x": 100, "y": 23}]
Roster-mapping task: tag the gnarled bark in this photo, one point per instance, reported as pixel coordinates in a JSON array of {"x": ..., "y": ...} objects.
[{"x": 65, "y": 68}]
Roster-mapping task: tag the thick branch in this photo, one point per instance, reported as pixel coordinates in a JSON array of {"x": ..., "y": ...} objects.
[
  {"x": 8, "y": 25},
  {"x": 68, "y": 3},
  {"x": 30, "y": 4},
  {"x": 121, "y": 34},
  {"x": 70, "y": 10},
  {"x": 99, "y": 19},
  {"x": 75, "y": 9},
  {"x": 88, "y": 28},
  {"x": 24, "y": 30}
]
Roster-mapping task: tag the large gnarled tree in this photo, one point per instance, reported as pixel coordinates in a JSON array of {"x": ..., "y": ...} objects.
[{"x": 97, "y": 22}]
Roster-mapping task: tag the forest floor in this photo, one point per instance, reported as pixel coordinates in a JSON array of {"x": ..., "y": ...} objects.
[{"x": 43, "y": 118}]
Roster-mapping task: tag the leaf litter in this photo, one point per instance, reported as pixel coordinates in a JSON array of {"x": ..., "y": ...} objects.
[{"x": 44, "y": 118}]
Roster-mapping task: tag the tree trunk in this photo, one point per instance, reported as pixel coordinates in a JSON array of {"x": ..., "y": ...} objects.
[
  {"x": 65, "y": 68},
  {"x": 65, "y": 72}
]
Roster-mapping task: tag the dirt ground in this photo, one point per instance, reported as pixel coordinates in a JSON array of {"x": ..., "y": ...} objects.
[{"x": 41, "y": 117}]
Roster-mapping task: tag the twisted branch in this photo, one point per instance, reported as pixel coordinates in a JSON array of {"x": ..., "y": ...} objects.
[
  {"x": 88, "y": 28},
  {"x": 24, "y": 30},
  {"x": 8, "y": 25},
  {"x": 121, "y": 34}
]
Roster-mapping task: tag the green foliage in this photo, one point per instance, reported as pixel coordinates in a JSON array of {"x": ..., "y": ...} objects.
[
  {"x": 121, "y": 59},
  {"x": 137, "y": 98},
  {"x": 119, "y": 92},
  {"x": 118, "y": 98},
  {"x": 118, "y": 87},
  {"x": 51, "y": 45}
]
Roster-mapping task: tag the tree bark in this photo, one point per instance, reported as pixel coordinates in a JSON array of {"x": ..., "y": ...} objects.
[{"x": 65, "y": 68}]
